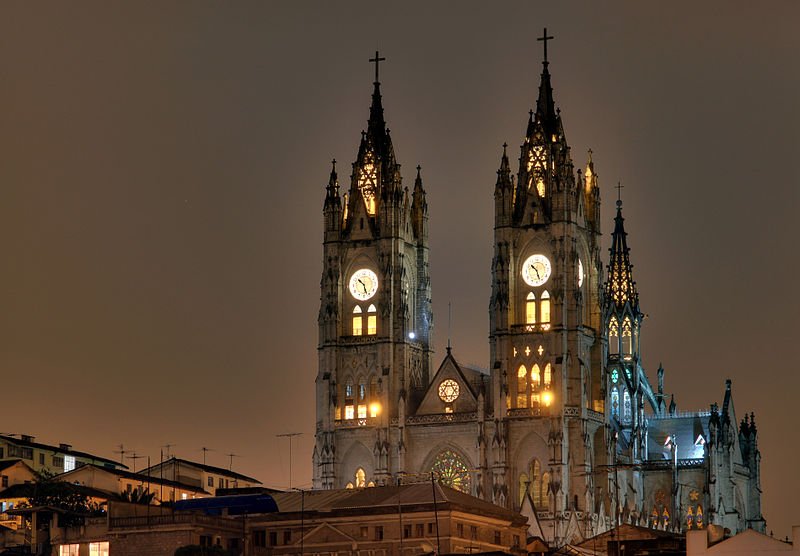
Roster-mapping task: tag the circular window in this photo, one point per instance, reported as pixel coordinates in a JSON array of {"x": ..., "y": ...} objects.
[{"x": 448, "y": 390}]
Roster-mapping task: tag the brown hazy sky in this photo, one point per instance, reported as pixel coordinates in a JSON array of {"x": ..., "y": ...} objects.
[{"x": 162, "y": 172}]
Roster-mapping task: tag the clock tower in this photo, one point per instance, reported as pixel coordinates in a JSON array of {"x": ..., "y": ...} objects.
[
  {"x": 375, "y": 313},
  {"x": 546, "y": 342}
]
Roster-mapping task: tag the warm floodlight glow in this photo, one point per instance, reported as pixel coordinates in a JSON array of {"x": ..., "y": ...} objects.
[
  {"x": 374, "y": 409},
  {"x": 547, "y": 398}
]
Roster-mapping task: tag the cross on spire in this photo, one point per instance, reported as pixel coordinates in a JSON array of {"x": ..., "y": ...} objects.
[
  {"x": 377, "y": 59},
  {"x": 619, "y": 188},
  {"x": 544, "y": 38}
]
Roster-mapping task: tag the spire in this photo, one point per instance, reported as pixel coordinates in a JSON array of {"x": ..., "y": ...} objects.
[
  {"x": 419, "y": 206},
  {"x": 504, "y": 172},
  {"x": 620, "y": 287},
  {"x": 333, "y": 183},
  {"x": 545, "y": 106}
]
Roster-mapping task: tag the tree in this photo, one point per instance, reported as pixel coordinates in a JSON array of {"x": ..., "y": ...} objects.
[
  {"x": 48, "y": 491},
  {"x": 137, "y": 496}
]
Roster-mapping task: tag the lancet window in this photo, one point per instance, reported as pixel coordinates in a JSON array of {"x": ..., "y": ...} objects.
[
  {"x": 371, "y": 321},
  {"x": 626, "y": 406},
  {"x": 533, "y": 481},
  {"x": 530, "y": 309},
  {"x": 361, "y": 478},
  {"x": 615, "y": 402},
  {"x": 544, "y": 310},
  {"x": 627, "y": 338},
  {"x": 613, "y": 336}
]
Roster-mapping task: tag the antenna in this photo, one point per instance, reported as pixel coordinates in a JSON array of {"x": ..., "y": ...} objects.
[
  {"x": 168, "y": 446},
  {"x": 134, "y": 457},
  {"x": 290, "y": 436},
  {"x": 122, "y": 451},
  {"x": 231, "y": 456},
  {"x": 205, "y": 450}
]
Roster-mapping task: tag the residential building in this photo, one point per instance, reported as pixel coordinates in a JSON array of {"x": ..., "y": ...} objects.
[
  {"x": 51, "y": 459},
  {"x": 200, "y": 475}
]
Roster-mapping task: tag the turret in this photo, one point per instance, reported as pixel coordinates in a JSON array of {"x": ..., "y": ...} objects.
[
  {"x": 332, "y": 208},
  {"x": 503, "y": 191}
]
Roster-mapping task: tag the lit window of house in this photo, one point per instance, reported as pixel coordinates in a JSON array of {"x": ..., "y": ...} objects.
[
  {"x": 68, "y": 550},
  {"x": 69, "y": 464},
  {"x": 98, "y": 548}
]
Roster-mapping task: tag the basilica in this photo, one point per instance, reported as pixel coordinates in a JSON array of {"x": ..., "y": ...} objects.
[{"x": 563, "y": 425}]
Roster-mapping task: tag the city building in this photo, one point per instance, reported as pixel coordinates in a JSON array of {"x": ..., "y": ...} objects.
[
  {"x": 745, "y": 543},
  {"x": 199, "y": 475},
  {"x": 47, "y": 458},
  {"x": 564, "y": 415}
]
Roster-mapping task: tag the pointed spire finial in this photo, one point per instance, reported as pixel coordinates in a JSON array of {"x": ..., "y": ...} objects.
[
  {"x": 590, "y": 155},
  {"x": 619, "y": 189}
]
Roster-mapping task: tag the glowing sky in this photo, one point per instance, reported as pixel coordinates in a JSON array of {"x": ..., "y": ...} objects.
[{"x": 162, "y": 172}]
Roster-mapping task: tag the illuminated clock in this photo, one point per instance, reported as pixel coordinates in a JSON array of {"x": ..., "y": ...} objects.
[
  {"x": 448, "y": 391},
  {"x": 363, "y": 284},
  {"x": 580, "y": 273},
  {"x": 536, "y": 270}
]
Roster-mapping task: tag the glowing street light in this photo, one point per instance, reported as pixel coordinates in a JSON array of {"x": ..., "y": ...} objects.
[
  {"x": 374, "y": 409},
  {"x": 547, "y": 398}
]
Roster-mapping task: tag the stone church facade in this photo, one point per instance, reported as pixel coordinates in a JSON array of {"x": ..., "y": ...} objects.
[{"x": 564, "y": 425}]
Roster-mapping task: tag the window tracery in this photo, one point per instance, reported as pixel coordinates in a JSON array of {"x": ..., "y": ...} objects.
[
  {"x": 522, "y": 387},
  {"x": 535, "y": 482},
  {"x": 626, "y": 406},
  {"x": 361, "y": 478},
  {"x": 615, "y": 402},
  {"x": 451, "y": 471},
  {"x": 627, "y": 338},
  {"x": 613, "y": 336}
]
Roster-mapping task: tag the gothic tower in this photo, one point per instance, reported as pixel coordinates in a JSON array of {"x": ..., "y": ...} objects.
[
  {"x": 546, "y": 341},
  {"x": 375, "y": 311}
]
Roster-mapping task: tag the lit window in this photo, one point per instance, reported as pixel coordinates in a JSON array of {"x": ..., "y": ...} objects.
[
  {"x": 69, "y": 463},
  {"x": 613, "y": 336},
  {"x": 522, "y": 387},
  {"x": 372, "y": 320},
  {"x": 548, "y": 375},
  {"x": 536, "y": 375},
  {"x": 184, "y": 496},
  {"x": 349, "y": 485},
  {"x": 349, "y": 412},
  {"x": 362, "y": 411},
  {"x": 530, "y": 309},
  {"x": 450, "y": 470},
  {"x": 358, "y": 326},
  {"x": 544, "y": 500},
  {"x": 544, "y": 308},
  {"x": 627, "y": 338},
  {"x": 615, "y": 402},
  {"x": 69, "y": 550},
  {"x": 361, "y": 478},
  {"x": 626, "y": 406},
  {"x": 98, "y": 549}
]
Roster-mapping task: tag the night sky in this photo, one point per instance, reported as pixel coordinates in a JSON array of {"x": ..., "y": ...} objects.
[{"x": 162, "y": 173}]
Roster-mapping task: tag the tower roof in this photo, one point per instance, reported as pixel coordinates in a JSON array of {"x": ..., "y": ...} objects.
[{"x": 620, "y": 286}]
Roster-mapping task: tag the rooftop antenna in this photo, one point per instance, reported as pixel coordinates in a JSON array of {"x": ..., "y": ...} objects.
[
  {"x": 205, "y": 450},
  {"x": 290, "y": 436},
  {"x": 134, "y": 457},
  {"x": 122, "y": 451},
  {"x": 168, "y": 446},
  {"x": 231, "y": 456}
]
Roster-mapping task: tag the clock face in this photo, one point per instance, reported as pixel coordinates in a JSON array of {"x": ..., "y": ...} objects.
[
  {"x": 580, "y": 273},
  {"x": 448, "y": 390},
  {"x": 536, "y": 270},
  {"x": 363, "y": 284}
]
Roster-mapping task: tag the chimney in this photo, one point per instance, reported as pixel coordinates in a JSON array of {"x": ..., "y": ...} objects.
[
  {"x": 26, "y": 438},
  {"x": 65, "y": 447}
]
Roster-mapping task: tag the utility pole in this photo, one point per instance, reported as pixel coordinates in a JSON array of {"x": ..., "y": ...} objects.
[{"x": 290, "y": 436}]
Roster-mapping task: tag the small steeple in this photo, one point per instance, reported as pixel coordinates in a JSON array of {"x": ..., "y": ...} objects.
[
  {"x": 333, "y": 184},
  {"x": 620, "y": 286},
  {"x": 545, "y": 106},
  {"x": 504, "y": 172},
  {"x": 419, "y": 207}
]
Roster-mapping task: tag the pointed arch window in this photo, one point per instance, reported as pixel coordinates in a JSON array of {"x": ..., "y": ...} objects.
[
  {"x": 349, "y": 408},
  {"x": 626, "y": 406},
  {"x": 613, "y": 336},
  {"x": 530, "y": 309},
  {"x": 372, "y": 320},
  {"x": 522, "y": 387},
  {"x": 361, "y": 478},
  {"x": 451, "y": 471},
  {"x": 349, "y": 486},
  {"x": 524, "y": 485},
  {"x": 358, "y": 321},
  {"x": 536, "y": 483},
  {"x": 362, "y": 399},
  {"x": 615, "y": 402},
  {"x": 536, "y": 375},
  {"x": 627, "y": 338},
  {"x": 544, "y": 310},
  {"x": 544, "y": 499},
  {"x": 548, "y": 375}
]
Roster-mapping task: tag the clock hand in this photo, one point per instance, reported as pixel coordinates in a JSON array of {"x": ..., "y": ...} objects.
[
  {"x": 363, "y": 285},
  {"x": 537, "y": 272}
]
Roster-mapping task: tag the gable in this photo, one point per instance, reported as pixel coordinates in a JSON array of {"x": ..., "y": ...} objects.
[
  {"x": 455, "y": 384},
  {"x": 326, "y": 534}
]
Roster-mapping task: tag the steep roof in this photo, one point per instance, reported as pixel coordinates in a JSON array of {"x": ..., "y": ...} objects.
[{"x": 203, "y": 467}]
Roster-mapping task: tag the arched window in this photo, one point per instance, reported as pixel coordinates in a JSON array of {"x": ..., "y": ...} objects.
[
  {"x": 627, "y": 338},
  {"x": 698, "y": 517},
  {"x": 536, "y": 375},
  {"x": 372, "y": 320},
  {"x": 548, "y": 375},
  {"x": 544, "y": 310},
  {"x": 361, "y": 478},
  {"x": 626, "y": 406},
  {"x": 544, "y": 501},
  {"x": 530, "y": 309},
  {"x": 522, "y": 387},
  {"x": 358, "y": 322},
  {"x": 615, "y": 402},
  {"x": 536, "y": 482},
  {"x": 362, "y": 399},
  {"x": 613, "y": 336},
  {"x": 451, "y": 471},
  {"x": 524, "y": 484},
  {"x": 349, "y": 408},
  {"x": 349, "y": 486}
]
